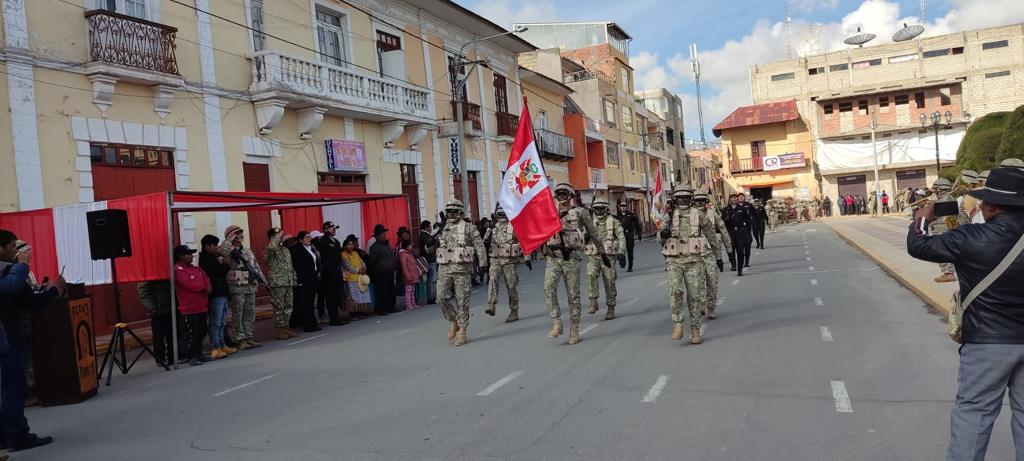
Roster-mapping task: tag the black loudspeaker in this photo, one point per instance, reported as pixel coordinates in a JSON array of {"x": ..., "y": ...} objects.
[{"x": 108, "y": 234}]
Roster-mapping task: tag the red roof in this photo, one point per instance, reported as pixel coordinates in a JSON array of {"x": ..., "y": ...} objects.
[{"x": 758, "y": 114}]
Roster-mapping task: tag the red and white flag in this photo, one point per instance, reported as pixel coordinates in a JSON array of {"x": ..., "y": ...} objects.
[
  {"x": 525, "y": 194},
  {"x": 656, "y": 199}
]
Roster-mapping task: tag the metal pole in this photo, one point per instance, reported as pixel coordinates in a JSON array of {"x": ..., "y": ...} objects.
[
  {"x": 874, "y": 155},
  {"x": 460, "y": 84},
  {"x": 170, "y": 254},
  {"x": 938, "y": 165},
  {"x": 647, "y": 177}
]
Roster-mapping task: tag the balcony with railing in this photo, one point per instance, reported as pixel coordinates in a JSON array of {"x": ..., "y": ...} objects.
[
  {"x": 554, "y": 145},
  {"x": 747, "y": 165},
  {"x": 507, "y": 124},
  {"x": 593, "y": 131},
  {"x": 757, "y": 164},
  {"x": 135, "y": 44},
  {"x": 279, "y": 75},
  {"x": 597, "y": 180},
  {"x": 470, "y": 113}
]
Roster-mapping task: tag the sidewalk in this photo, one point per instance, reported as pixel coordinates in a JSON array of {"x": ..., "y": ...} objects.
[{"x": 884, "y": 241}]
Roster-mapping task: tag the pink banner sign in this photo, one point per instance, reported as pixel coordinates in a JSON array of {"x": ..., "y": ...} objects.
[{"x": 345, "y": 155}]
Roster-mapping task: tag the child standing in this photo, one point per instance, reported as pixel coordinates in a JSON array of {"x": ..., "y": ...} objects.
[{"x": 410, "y": 271}]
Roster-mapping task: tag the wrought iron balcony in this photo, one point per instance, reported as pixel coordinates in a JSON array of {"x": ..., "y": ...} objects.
[
  {"x": 554, "y": 145},
  {"x": 131, "y": 42},
  {"x": 597, "y": 180},
  {"x": 280, "y": 75},
  {"x": 507, "y": 124},
  {"x": 470, "y": 113}
]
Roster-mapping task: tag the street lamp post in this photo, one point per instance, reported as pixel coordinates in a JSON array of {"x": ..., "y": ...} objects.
[
  {"x": 460, "y": 85},
  {"x": 936, "y": 125}
]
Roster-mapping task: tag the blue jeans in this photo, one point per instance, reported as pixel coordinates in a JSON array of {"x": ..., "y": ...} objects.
[
  {"x": 986, "y": 371},
  {"x": 218, "y": 309},
  {"x": 432, "y": 282},
  {"x": 13, "y": 385}
]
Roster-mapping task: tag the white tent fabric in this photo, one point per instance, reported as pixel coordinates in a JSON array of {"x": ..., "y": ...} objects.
[
  {"x": 899, "y": 149},
  {"x": 71, "y": 234},
  {"x": 348, "y": 217}
]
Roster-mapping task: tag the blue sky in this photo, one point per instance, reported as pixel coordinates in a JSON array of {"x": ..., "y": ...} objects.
[{"x": 733, "y": 34}]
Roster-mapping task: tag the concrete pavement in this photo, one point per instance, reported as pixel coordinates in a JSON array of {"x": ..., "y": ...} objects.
[{"x": 817, "y": 354}]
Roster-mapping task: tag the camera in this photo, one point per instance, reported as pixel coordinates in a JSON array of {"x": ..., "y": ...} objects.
[{"x": 946, "y": 208}]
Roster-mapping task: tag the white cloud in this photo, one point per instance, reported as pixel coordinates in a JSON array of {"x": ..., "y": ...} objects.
[
  {"x": 725, "y": 74},
  {"x": 507, "y": 12},
  {"x": 811, "y": 5}
]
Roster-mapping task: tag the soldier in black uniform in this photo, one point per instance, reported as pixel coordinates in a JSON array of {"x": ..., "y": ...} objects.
[
  {"x": 750, "y": 212},
  {"x": 738, "y": 219},
  {"x": 631, "y": 227},
  {"x": 760, "y": 222}
]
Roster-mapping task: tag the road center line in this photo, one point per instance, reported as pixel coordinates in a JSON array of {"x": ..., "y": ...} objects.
[
  {"x": 808, "y": 258},
  {"x": 243, "y": 386},
  {"x": 632, "y": 301},
  {"x": 659, "y": 385},
  {"x": 662, "y": 283},
  {"x": 814, "y": 281},
  {"x": 403, "y": 332},
  {"x": 826, "y": 334},
  {"x": 499, "y": 383},
  {"x": 720, "y": 301},
  {"x": 842, "y": 399},
  {"x": 810, "y": 268},
  {"x": 587, "y": 329},
  {"x": 807, "y": 252},
  {"x": 818, "y": 301},
  {"x": 736, "y": 282},
  {"x": 321, "y": 335}
]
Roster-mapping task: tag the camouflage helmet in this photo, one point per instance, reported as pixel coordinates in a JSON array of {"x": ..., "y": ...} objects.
[
  {"x": 600, "y": 203},
  {"x": 564, "y": 186},
  {"x": 983, "y": 175},
  {"x": 682, "y": 190},
  {"x": 454, "y": 204},
  {"x": 1014, "y": 162},
  {"x": 942, "y": 184},
  {"x": 700, "y": 194},
  {"x": 499, "y": 210},
  {"x": 970, "y": 176}
]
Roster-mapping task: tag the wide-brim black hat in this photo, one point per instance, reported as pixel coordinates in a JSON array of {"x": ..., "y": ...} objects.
[
  {"x": 1004, "y": 186},
  {"x": 379, "y": 229}
]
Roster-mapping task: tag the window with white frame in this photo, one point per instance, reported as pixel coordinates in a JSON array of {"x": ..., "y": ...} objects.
[
  {"x": 609, "y": 113},
  {"x": 611, "y": 154},
  {"x": 625, "y": 79},
  {"x": 627, "y": 118},
  {"x": 330, "y": 35},
  {"x": 133, "y": 8},
  {"x": 542, "y": 120},
  {"x": 259, "y": 40},
  {"x": 390, "y": 55}
]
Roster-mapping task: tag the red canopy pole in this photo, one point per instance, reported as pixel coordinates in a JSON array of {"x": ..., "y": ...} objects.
[{"x": 170, "y": 251}]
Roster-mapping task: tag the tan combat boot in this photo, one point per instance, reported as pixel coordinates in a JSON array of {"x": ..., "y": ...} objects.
[
  {"x": 229, "y": 350},
  {"x": 454, "y": 330},
  {"x": 282, "y": 334},
  {"x": 556, "y": 329},
  {"x": 218, "y": 354},
  {"x": 593, "y": 306},
  {"x": 610, "y": 314},
  {"x": 253, "y": 343},
  {"x": 574, "y": 333},
  {"x": 695, "y": 336},
  {"x": 490, "y": 310},
  {"x": 513, "y": 315},
  {"x": 293, "y": 332},
  {"x": 460, "y": 338},
  {"x": 677, "y": 332}
]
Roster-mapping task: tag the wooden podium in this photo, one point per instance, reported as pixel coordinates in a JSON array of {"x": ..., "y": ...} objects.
[{"x": 64, "y": 350}]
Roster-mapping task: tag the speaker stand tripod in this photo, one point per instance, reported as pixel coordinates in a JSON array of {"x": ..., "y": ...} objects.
[{"x": 116, "y": 347}]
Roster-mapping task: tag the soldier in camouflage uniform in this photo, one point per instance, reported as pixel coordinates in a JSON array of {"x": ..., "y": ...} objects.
[
  {"x": 457, "y": 244},
  {"x": 815, "y": 206},
  {"x": 773, "y": 214},
  {"x": 505, "y": 257},
  {"x": 562, "y": 253},
  {"x": 612, "y": 236},
  {"x": 713, "y": 264},
  {"x": 684, "y": 238},
  {"x": 801, "y": 211},
  {"x": 941, "y": 188},
  {"x": 242, "y": 280},
  {"x": 282, "y": 280}
]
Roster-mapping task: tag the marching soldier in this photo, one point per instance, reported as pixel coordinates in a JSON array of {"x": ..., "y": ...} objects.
[
  {"x": 457, "y": 244},
  {"x": 772, "y": 206},
  {"x": 815, "y": 206},
  {"x": 713, "y": 264},
  {"x": 684, "y": 239},
  {"x": 505, "y": 257},
  {"x": 801, "y": 211},
  {"x": 562, "y": 252},
  {"x": 282, "y": 279},
  {"x": 942, "y": 187},
  {"x": 612, "y": 236}
]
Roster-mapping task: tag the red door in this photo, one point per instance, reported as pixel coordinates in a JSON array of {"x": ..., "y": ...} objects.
[
  {"x": 337, "y": 183},
  {"x": 412, "y": 195},
  {"x": 257, "y": 179},
  {"x": 473, "y": 193}
]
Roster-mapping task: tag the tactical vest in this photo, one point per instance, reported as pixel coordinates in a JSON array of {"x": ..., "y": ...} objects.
[
  {"x": 693, "y": 244},
  {"x": 611, "y": 244},
  {"x": 571, "y": 235},
  {"x": 506, "y": 249},
  {"x": 461, "y": 253}
]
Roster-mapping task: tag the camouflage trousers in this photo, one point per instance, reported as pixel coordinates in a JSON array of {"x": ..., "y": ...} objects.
[
  {"x": 449, "y": 282},
  {"x": 509, "y": 271},
  {"x": 686, "y": 289},
  {"x": 710, "y": 283},
  {"x": 555, "y": 269},
  {"x": 243, "y": 314},
  {"x": 281, "y": 300},
  {"x": 595, "y": 271},
  {"x": 772, "y": 222},
  {"x": 939, "y": 228}
]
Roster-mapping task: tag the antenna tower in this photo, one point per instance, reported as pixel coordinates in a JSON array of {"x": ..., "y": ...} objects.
[
  {"x": 789, "y": 42},
  {"x": 695, "y": 64}
]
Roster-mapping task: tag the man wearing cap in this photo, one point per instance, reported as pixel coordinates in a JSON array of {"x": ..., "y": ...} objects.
[
  {"x": 739, "y": 222},
  {"x": 504, "y": 258},
  {"x": 631, "y": 229},
  {"x": 992, "y": 333},
  {"x": 612, "y": 237},
  {"x": 684, "y": 239},
  {"x": 281, "y": 275},
  {"x": 941, "y": 188},
  {"x": 458, "y": 243},
  {"x": 562, "y": 253},
  {"x": 713, "y": 264},
  {"x": 330, "y": 254},
  {"x": 243, "y": 278},
  {"x": 380, "y": 263},
  {"x": 760, "y": 222}
]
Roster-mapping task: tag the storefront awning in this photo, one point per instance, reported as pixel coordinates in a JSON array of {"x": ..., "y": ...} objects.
[{"x": 767, "y": 183}]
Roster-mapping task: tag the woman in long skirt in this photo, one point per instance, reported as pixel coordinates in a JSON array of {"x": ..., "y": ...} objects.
[{"x": 357, "y": 299}]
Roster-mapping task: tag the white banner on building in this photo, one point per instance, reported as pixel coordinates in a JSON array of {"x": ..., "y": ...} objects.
[{"x": 898, "y": 149}]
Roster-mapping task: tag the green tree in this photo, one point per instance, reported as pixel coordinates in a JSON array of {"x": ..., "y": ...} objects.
[{"x": 1012, "y": 143}]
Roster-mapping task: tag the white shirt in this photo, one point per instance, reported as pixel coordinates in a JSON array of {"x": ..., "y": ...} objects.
[{"x": 309, "y": 249}]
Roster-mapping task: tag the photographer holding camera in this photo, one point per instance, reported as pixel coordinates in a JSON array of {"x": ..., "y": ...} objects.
[{"x": 986, "y": 258}]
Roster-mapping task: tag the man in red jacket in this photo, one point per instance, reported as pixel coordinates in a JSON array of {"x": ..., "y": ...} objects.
[{"x": 192, "y": 287}]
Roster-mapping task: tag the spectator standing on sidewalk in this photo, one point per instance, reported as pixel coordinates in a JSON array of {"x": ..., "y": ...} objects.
[
  {"x": 217, "y": 306},
  {"x": 992, "y": 354},
  {"x": 192, "y": 287},
  {"x": 155, "y": 296},
  {"x": 381, "y": 267},
  {"x": 330, "y": 273},
  {"x": 885, "y": 203},
  {"x": 428, "y": 249},
  {"x": 306, "y": 262},
  {"x": 357, "y": 294},
  {"x": 410, "y": 272}
]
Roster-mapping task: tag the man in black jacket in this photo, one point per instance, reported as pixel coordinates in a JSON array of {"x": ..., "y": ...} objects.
[
  {"x": 739, "y": 221},
  {"x": 760, "y": 216},
  {"x": 631, "y": 228},
  {"x": 380, "y": 265},
  {"x": 330, "y": 255},
  {"x": 992, "y": 355},
  {"x": 215, "y": 268},
  {"x": 428, "y": 249},
  {"x": 306, "y": 261}
]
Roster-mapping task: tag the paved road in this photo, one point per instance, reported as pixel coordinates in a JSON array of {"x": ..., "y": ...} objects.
[{"x": 816, "y": 355}]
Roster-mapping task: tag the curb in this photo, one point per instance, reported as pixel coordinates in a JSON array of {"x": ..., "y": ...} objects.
[{"x": 937, "y": 305}]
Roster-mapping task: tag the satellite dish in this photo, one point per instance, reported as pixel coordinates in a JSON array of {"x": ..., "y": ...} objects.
[
  {"x": 859, "y": 39},
  {"x": 907, "y": 33}
]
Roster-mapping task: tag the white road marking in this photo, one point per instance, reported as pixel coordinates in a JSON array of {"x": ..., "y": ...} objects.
[
  {"x": 841, "y": 398},
  {"x": 818, "y": 301},
  {"x": 632, "y": 301},
  {"x": 808, "y": 258},
  {"x": 807, "y": 252},
  {"x": 403, "y": 332},
  {"x": 662, "y": 283},
  {"x": 307, "y": 339},
  {"x": 154, "y": 383},
  {"x": 736, "y": 282},
  {"x": 587, "y": 329},
  {"x": 814, "y": 281},
  {"x": 826, "y": 334},
  {"x": 757, "y": 253},
  {"x": 499, "y": 383},
  {"x": 243, "y": 386},
  {"x": 703, "y": 327},
  {"x": 659, "y": 385},
  {"x": 720, "y": 301},
  {"x": 812, "y": 230},
  {"x": 810, "y": 268}
]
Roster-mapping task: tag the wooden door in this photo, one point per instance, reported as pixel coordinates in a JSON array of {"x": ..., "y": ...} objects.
[
  {"x": 473, "y": 204},
  {"x": 412, "y": 196},
  {"x": 257, "y": 179}
]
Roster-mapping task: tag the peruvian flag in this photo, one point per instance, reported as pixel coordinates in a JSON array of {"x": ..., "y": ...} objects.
[
  {"x": 525, "y": 194},
  {"x": 656, "y": 199}
]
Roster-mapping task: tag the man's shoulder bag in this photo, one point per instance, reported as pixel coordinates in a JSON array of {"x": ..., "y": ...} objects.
[{"x": 956, "y": 314}]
